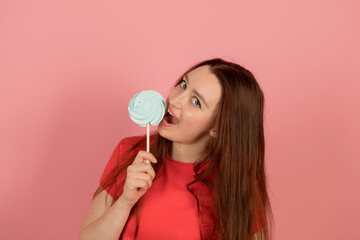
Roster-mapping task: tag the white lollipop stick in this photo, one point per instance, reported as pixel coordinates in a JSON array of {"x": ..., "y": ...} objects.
[{"x": 147, "y": 139}]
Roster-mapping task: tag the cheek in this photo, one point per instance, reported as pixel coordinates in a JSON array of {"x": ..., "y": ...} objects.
[
  {"x": 190, "y": 116},
  {"x": 194, "y": 118}
]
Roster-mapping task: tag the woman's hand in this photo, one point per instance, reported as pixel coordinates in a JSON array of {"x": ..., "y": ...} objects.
[{"x": 140, "y": 175}]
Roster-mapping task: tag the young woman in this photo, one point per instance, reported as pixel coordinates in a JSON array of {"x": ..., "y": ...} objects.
[{"x": 206, "y": 179}]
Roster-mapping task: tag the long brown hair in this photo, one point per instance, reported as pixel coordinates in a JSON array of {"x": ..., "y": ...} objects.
[{"x": 235, "y": 157}]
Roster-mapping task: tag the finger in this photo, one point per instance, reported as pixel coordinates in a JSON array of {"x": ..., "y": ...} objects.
[
  {"x": 143, "y": 155},
  {"x": 138, "y": 183},
  {"x": 148, "y": 157},
  {"x": 142, "y": 167},
  {"x": 151, "y": 171},
  {"x": 144, "y": 176},
  {"x": 140, "y": 175}
]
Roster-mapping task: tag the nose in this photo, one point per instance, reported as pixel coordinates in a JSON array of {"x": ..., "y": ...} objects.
[{"x": 177, "y": 101}]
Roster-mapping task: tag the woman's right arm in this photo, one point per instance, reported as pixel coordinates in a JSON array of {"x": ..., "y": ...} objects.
[{"x": 104, "y": 221}]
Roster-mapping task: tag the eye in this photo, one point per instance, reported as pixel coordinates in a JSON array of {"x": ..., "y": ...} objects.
[
  {"x": 197, "y": 102},
  {"x": 181, "y": 85}
]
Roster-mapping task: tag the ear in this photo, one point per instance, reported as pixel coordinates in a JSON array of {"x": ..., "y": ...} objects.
[{"x": 212, "y": 132}]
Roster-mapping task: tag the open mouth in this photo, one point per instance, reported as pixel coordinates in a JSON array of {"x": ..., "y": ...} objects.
[{"x": 170, "y": 119}]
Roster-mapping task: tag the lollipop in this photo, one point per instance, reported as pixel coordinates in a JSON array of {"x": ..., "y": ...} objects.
[{"x": 147, "y": 108}]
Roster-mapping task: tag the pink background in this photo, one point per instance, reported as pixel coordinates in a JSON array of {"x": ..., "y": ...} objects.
[{"x": 69, "y": 68}]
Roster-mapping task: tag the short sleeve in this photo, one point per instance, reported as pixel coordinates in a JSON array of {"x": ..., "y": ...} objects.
[{"x": 110, "y": 166}]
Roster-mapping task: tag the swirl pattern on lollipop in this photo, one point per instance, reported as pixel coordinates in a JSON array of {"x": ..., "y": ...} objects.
[{"x": 147, "y": 106}]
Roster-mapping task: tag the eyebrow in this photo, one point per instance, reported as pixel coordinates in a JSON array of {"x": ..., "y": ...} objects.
[{"x": 196, "y": 92}]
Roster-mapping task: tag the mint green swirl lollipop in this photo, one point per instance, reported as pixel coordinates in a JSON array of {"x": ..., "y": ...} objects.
[{"x": 147, "y": 106}]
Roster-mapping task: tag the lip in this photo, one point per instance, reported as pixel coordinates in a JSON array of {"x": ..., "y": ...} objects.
[
  {"x": 165, "y": 124},
  {"x": 172, "y": 113}
]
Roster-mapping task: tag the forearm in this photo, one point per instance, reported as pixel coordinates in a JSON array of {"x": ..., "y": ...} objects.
[{"x": 110, "y": 225}]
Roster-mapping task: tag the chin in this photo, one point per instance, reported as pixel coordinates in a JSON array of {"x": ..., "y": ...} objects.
[
  {"x": 166, "y": 136},
  {"x": 162, "y": 134}
]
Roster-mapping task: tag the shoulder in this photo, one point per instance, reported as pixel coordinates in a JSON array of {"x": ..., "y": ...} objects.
[
  {"x": 129, "y": 142},
  {"x": 124, "y": 147}
]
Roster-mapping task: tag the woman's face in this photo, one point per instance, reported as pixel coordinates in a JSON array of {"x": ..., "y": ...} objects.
[{"x": 193, "y": 112}]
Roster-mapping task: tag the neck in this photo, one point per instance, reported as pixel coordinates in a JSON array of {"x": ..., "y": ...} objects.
[{"x": 188, "y": 152}]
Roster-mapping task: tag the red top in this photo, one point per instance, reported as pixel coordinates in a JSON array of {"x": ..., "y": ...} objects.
[{"x": 168, "y": 210}]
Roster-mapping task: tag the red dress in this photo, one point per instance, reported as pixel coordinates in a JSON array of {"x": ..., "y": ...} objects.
[{"x": 168, "y": 210}]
